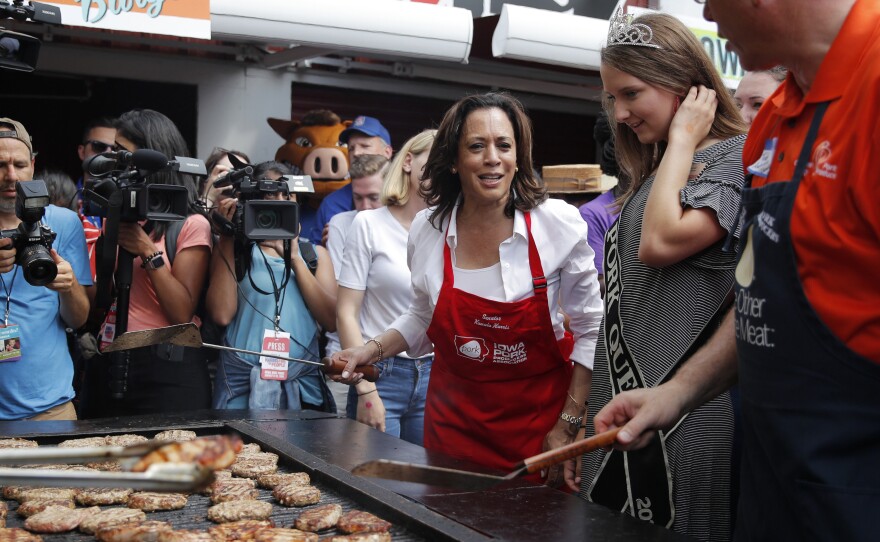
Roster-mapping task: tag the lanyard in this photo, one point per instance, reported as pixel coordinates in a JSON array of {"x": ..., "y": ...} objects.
[
  {"x": 277, "y": 291},
  {"x": 8, "y": 294}
]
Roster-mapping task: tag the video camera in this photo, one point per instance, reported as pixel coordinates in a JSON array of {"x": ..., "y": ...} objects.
[
  {"x": 32, "y": 239},
  {"x": 256, "y": 218},
  {"x": 20, "y": 51},
  {"x": 122, "y": 179}
]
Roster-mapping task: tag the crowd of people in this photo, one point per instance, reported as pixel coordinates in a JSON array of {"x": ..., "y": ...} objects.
[{"x": 719, "y": 308}]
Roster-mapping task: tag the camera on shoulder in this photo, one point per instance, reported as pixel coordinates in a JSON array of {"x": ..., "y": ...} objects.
[
  {"x": 20, "y": 51},
  {"x": 123, "y": 182},
  {"x": 257, "y": 218}
]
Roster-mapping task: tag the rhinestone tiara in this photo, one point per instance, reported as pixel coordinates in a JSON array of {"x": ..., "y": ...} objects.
[{"x": 622, "y": 31}]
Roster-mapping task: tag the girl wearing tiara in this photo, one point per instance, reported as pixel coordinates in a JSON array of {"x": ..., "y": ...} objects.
[{"x": 679, "y": 137}]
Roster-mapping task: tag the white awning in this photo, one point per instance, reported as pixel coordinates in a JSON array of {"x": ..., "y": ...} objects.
[
  {"x": 387, "y": 27},
  {"x": 538, "y": 35}
]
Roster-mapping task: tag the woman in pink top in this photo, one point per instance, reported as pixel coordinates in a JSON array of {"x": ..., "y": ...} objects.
[{"x": 161, "y": 378}]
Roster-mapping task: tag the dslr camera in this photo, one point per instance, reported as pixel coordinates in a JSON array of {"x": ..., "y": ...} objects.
[
  {"x": 255, "y": 218},
  {"x": 32, "y": 239},
  {"x": 122, "y": 181}
]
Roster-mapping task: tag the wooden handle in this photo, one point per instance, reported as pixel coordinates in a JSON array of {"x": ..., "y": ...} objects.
[
  {"x": 552, "y": 457},
  {"x": 370, "y": 372}
]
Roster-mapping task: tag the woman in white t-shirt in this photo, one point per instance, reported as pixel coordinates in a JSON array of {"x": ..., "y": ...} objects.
[{"x": 374, "y": 289}]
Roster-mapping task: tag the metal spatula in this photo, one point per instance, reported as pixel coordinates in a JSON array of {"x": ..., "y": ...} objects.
[
  {"x": 475, "y": 481},
  {"x": 188, "y": 335}
]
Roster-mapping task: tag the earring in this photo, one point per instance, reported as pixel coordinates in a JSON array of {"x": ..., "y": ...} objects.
[
  {"x": 516, "y": 170},
  {"x": 454, "y": 171}
]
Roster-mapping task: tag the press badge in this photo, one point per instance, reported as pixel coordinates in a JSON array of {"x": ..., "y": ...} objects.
[
  {"x": 108, "y": 328},
  {"x": 761, "y": 168},
  {"x": 277, "y": 343},
  {"x": 10, "y": 342}
]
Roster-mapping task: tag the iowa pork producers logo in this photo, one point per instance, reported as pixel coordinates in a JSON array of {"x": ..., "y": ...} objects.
[{"x": 471, "y": 348}]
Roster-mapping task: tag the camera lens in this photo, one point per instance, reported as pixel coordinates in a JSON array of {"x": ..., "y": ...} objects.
[
  {"x": 158, "y": 202},
  {"x": 268, "y": 219},
  {"x": 37, "y": 265}
]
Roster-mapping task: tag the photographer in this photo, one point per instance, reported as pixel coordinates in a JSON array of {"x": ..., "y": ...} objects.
[
  {"x": 38, "y": 385},
  {"x": 273, "y": 301},
  {"x": 159, "y": 378}
]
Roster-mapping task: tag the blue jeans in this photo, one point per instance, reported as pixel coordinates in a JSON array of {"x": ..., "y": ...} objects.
[
  {"x": 402, "y": 386},
  {"x": 238, "y": 385}
]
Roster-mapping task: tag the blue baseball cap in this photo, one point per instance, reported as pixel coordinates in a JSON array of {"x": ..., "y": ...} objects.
[{"x": 368, "y": 126}]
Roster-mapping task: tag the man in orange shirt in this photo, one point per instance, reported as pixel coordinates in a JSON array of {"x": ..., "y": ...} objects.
[{"x": 805, "y": 326}]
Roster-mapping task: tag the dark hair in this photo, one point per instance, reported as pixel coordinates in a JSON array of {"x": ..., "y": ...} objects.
[
  {"x": 61, "y": 188},
  {"x": 320, "y": 117},
  {"x": 261, "y": 169},
  {"x": 603, "y": 134},
  {"x": 527, "y": 190},
  {"x": 219, "y": 153},
  {"x": 99, "y": 122},
  {"x": 150, "y": 129},
  {"x": 214, "y": 158}
]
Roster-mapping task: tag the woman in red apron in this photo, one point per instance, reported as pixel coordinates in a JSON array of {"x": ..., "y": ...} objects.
[{"x": 503, "y": 386}]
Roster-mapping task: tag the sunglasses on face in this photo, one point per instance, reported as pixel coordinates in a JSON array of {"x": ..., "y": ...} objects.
[{"x": 100, "y": 146}]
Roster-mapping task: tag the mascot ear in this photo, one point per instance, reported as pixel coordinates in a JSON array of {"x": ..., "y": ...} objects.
[
  {"x": 346, "y": 123},
  {"x": 283, "y": 127}
]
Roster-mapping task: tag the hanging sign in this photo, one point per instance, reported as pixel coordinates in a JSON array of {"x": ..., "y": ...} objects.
[{"x": 185, "y": 18}]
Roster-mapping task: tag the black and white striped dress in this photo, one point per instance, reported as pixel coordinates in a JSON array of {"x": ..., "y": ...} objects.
[{"x": 662, "y": 312}]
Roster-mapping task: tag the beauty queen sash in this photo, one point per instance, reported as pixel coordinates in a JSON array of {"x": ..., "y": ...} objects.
[{"x": 639, "y": 482}]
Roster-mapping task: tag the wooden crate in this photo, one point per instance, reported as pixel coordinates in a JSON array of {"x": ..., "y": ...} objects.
[{"x": 568, "y": 178}]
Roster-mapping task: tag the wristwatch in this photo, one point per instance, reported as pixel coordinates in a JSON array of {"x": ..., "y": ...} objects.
[{"x": 153, "y": 261}]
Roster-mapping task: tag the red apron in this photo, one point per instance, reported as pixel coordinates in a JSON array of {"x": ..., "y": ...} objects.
[{"x": 499, "y": 381}]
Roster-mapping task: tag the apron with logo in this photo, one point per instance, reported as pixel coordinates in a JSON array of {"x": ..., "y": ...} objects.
[
  {"x": 811, "y": 406},
  {"x": 499, "y": 381}
]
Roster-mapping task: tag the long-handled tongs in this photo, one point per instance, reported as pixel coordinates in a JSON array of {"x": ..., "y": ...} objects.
[
  {"x": 188, "y": 335},
  {"x": 182, "y": 477}
]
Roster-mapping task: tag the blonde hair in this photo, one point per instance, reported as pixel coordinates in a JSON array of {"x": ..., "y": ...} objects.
[
  {"x": 679, "y": 64},
  {"x": 397, "y": 185}
]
